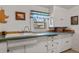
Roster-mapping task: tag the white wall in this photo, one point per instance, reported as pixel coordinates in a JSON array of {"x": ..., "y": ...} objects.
[
  {"x": 60, "y": 16},
  {"x": 74, "y": 12},
  {"x": 75, "y": 41},
  {"x": 12, "y": 24}
]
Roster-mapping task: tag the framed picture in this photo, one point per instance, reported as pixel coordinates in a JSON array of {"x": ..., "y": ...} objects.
[
  {"x": 74, "y": 20},
  {"x": 20, "y": 16}
]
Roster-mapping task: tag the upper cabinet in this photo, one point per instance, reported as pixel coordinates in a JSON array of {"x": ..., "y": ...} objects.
[{"x": 60, "y": 16}]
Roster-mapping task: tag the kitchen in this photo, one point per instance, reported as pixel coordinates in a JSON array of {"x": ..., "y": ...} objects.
[{"x": 38, "y": 29}]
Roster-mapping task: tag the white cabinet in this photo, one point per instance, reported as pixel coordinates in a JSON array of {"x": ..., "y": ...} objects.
[
  {"x": 3, "y": 47},
  {"x": 54, "y": 45},
  {"x": 60, "y": 17},
  {"x": 39, "y": 47},
  {"x": 59, "y": 45},
  {"x": 66, "y": 43},
  {"x": 16, "y": 49},
  {"x": 16, "y": 46},
  {"x": 75, "y": 42},
  {"x": 32, "y": 45}
]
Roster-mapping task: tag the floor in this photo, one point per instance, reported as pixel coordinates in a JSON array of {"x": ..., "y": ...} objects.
[{"x": 70, "y": 51}]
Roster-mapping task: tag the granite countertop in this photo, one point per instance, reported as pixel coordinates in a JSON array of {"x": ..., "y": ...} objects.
[{"x": 33, "y": 35}]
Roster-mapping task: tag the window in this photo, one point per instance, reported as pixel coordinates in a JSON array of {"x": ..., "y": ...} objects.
[{"x": 39, "y": 18}]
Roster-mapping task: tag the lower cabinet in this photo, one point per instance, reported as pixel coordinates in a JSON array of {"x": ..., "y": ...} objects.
[
  {"x": 16, "y": 46},
  {"x": 55, "y": 46},
  {"x": 66, "y": 43},
  {"x": 37, "y": 48},
  {"x": 75, "y": 41},
  {"x": 19, "y": 49},
  {"x": 34, "y": 45},
  {"x": 59, "y": 45},
  {"x": 39, "y": 45},
  {"x": 3, "y": 47}
]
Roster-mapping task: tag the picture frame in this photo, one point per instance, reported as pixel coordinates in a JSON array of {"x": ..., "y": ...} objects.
[
  {"x": 20, "y": 15},
  {"x": 74, "y": 20}
]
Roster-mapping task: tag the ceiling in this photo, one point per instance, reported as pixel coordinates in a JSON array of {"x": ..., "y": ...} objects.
[
  {"x": 63, "y": 6},
  {"x": 47, "y": 6},
  {"x": 67, "y": 6}
]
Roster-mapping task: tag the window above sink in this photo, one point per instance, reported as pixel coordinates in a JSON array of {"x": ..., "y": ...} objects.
[{"x": 39, "y": 19}]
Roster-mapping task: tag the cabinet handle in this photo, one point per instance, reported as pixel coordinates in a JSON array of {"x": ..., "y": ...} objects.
[
  {"x": 57, "y": 43},
  {"x": 67, "y": 41},
  {"x": 8, "y": 50},
  {"x": 52, "y": 44},
  {"x": 46, "y": 45},
  {"x": 52, "y": 51}
]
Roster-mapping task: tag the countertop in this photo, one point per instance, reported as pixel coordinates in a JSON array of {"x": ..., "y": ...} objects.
[{"x": 33, "y": 35}]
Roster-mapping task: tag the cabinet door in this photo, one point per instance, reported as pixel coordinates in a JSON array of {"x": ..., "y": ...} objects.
[
  {"x": 57, "y": 46},
  {"x": 16, "y": 46},
  {"x": 40, "y": 47},
  {"x": 66, "y": 43},
  {"x": 75, "y": 41},
  {"x": 50, "y": 44},
  {"x": 54, "y": 45},
  {"x": 3, "y": 47},
  {"x": 61, "y": 45},
  {"x": 16, "y": 50}
]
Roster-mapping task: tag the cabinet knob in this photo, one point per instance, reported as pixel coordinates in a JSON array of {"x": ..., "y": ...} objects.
[
  {"x": 52, "y": 40},
  {"x": 52, "y": 44},
  {"x": 8, "y": 50},
  {"x": 46, "y": 45},
  {"x": 67, "y": 41},
  {"x": 52, "y": 51},
  {"x": 57, "y": 43}
]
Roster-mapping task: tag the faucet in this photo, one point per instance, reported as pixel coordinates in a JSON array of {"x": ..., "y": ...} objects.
[{"x": 26, "y": 27}]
